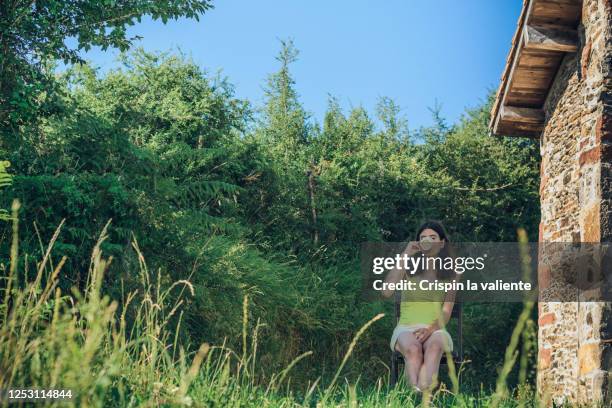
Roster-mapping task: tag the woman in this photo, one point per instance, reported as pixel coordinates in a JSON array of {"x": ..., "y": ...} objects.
[{"x": 420, "y": 335}]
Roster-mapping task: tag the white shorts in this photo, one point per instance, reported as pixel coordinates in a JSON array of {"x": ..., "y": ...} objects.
[{"x": 399, "y": 329}]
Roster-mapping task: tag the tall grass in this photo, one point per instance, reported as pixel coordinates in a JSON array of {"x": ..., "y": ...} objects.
[{"x": 82, "y": 341}]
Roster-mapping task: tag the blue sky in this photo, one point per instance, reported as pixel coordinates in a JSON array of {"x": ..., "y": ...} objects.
[{"x": 416, "y": 52}]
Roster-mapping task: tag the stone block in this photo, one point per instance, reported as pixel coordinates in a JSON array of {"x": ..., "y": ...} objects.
[
  {"x": 590, "y": 223},
  {"x": 589, "y": 358},
  {"x": 546, "y": 319},
  {"x": 544, "y": 358}
]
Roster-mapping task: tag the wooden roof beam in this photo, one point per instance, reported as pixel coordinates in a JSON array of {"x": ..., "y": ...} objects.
[
  {"x": 550, "y": 38},
  {"x": 519, "y": 121},
  {"x": 546, "y": 30},
  {"x": 528, "y": 116}
]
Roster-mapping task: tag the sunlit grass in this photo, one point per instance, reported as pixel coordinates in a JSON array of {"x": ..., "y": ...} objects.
[{"x": 81, "y": 341}]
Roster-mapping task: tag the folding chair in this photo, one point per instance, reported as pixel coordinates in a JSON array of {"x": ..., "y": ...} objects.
[{"x": 396, "y": 357}]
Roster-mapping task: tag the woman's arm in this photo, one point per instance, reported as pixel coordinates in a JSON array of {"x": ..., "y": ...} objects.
[
  {"x": 447, "y": 309},
  {"x": 393, "y": 276},
  {"x": 396, "y": 274}
]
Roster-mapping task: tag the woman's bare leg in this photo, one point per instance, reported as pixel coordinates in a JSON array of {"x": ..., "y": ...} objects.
[
  {"x": 412, "y": 350},
  {"x": 432, "y": 353}
]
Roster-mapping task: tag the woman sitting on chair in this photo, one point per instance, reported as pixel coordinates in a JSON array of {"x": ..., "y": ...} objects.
[{"x": 420, "y": 335}]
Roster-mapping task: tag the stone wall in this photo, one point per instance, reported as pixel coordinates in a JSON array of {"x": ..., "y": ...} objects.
[{"x": 576, "y": 204}]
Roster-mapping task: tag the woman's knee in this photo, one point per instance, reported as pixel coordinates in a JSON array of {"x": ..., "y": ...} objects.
[
  {"x": 411, "y": 349},
  {"x": 437, "y": 343}
]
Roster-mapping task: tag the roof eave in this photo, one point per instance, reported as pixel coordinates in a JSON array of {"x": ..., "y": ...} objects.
[{"x": 546, "y": 30}]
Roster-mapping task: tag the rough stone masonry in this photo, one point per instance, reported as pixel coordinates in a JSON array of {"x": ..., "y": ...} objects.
[
  {"x": 557, "y": 87},
  {"x": 575, "y": 350}
]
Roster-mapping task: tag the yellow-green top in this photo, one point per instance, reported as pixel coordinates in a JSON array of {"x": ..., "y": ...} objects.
[{"x": 414, "y": 311}]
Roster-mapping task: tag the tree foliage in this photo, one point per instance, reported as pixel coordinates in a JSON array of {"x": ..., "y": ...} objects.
[
  {"x": 35, "y": 34},
  {"x": 262, "y": 201}
]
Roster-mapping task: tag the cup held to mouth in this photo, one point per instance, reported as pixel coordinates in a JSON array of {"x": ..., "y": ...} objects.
[{"x": 426, "y": 244}]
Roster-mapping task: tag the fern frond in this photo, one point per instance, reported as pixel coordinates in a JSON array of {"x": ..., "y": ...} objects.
[
  {"x": 5, "y": 180},
  {"x": 196, "y": 193},
  {"x": 202, "y": 221}
]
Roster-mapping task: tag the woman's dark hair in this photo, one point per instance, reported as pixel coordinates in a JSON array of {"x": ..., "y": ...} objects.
[
  {"x": 433, "y": 225},
  {"x": 445, "y": 252}
]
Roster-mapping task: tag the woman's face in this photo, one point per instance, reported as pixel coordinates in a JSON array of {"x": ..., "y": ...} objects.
[{"x": 430, "y": 242}]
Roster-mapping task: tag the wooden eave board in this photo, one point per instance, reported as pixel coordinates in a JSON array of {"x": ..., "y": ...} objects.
[{"x": 529, "y": 73}]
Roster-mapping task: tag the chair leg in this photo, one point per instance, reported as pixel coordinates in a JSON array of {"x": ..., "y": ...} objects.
[{"x": 394, "y": 371}]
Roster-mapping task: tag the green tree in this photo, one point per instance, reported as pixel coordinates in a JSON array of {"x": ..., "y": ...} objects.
[
  {"x": 283, "y": 134},
  {"x": 285, "y": 121},
  {"x": 34, "y": 34},
  {"x": 143, "y": 146},
  {"x": 484, "y": 187}
]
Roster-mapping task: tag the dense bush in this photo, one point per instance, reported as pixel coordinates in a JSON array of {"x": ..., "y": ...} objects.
[{"x": 259, "y": 201}]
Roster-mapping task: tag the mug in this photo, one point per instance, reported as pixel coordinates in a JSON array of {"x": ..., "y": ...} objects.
[{"x": 426, "y": 244}]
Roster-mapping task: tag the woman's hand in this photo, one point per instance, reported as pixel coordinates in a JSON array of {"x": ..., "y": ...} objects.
[
  {"x": 423, "y": 334},
  {"x": 412, "y": 248}
]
